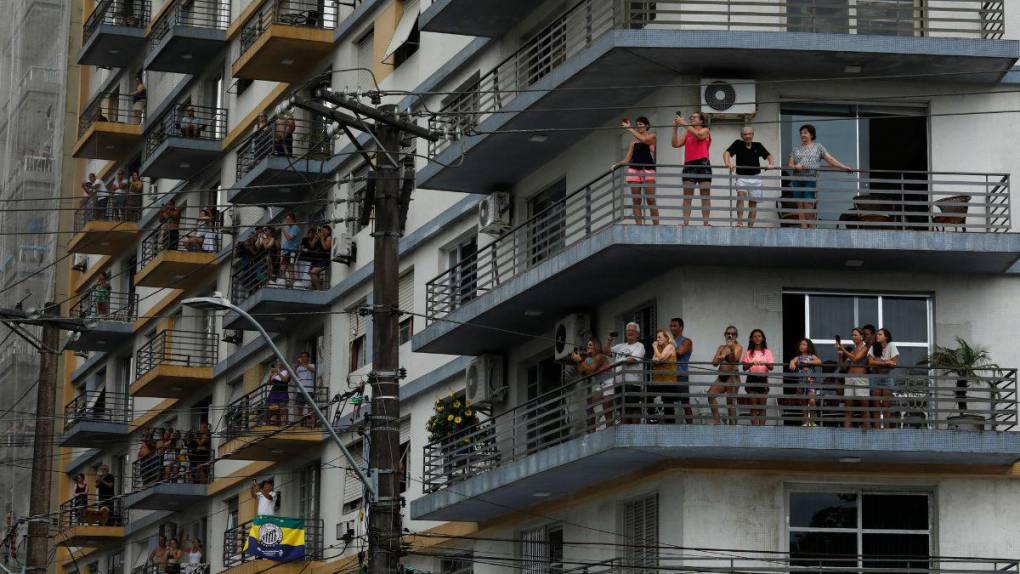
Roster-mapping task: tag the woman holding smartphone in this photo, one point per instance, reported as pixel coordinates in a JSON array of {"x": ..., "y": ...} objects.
[
  {"x": 855, "y": 386},
  {"x": 640, "y": 162}
]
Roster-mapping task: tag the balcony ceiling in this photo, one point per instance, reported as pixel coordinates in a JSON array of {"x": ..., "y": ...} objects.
[
  {"x": 186, "y": 50},
  {"x": 276, "y": 308},
  {"x": 272, "y": 177},
  {"x": 104, "y": 336},
  {"x": 112, "y": 46},
  {"x": 180, "y": 158},
  {"x": 166, "y": 497},
  {"x": 639, "y": 57},
  {"x": 489, "y": 18},
  {"x": 597, "y": 459},
  {"x": 617, "y": 259},
  {"x": 93, "y": 434}
]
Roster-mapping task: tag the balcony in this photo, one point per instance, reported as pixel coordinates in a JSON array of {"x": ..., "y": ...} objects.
[
  {"x": 35, "y": 168},
  {"x": 268, "y": 424},
  {"x": 114, "y": 33},
  {"x": 270, "y": 159},
  {"x": 151, "y": 568},
  {"x": 562, "y": 441},
  {"x": 743, "y": 561},
  {"x": 110, "y": 128},
  {"x": 489, "y": 18},
  {"x": 95, "y": 419},
  {"x": 187, "y": 36},
  {"x": 284, "y": 40},
  {"x": 86, "y": 521},
  {"x": 183, "y": 141},
  {"x": 178, "y": 258},
  {"x": 937, "y": 222},
  {"x": 101, "y": 229},
  {"x": 173, "y": 364},
  {"x": 235, "y": 544},
  {"x": 108, "y": 316},
  {"x": 597, "y": 43},
  {"x": 156, "y": 485},
  {"x": 270, "y": 287}
]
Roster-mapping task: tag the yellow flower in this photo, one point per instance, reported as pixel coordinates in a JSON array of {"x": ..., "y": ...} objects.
[
  {"x": 449, "y": 417},
  {"x": 468, "y": 403},
  {"x": 456, "y": 404},
  {"x": 467, "y": 413},
  {"x": 439, "y": 409},
  {"x": 457, "y": 420}
]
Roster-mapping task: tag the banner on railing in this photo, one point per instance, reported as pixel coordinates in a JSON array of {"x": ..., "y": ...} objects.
[{"x": 276, "y": 538}]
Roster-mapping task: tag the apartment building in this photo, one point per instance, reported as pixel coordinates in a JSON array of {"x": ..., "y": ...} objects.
[{"x": 508, "y": 264}]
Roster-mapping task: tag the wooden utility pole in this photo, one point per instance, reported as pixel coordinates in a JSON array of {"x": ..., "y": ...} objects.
[{"x": 37, "y": 559}]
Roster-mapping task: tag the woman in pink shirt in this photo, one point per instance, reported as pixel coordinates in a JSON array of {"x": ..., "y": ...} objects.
[
  {"x": 757, "y": 362},
  {"x": 696, "y": 141}
]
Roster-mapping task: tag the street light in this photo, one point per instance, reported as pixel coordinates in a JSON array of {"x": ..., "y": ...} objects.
[{"x": 217, "y": 302}]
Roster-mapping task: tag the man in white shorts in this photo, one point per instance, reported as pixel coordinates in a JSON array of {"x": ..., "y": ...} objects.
[{"x": 743, "y": 157}]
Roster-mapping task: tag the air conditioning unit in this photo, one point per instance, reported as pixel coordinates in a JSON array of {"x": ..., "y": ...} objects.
[
  {"x": 571, "y": 334},
  {"x": 485, "y": 381},
  {"x": 345, "y": 250},
  {"x": 728, "y": 98},
  {"x": 494, "y": 214},
  {"x": 80, "y": 262}
]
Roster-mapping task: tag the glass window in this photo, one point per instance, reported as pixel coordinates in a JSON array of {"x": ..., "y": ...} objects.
[
  {"x": 823, "y": 510},
  {"x": 908, "y": 318}
]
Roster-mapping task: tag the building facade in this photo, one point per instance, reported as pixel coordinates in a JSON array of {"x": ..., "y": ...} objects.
[{"x": 210, "y": 182}]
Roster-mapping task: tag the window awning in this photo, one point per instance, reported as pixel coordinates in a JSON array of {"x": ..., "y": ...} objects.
[{"x": 404, "y": 28}]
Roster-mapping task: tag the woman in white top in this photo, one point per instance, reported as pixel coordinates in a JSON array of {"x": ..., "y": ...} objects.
[{"x": 883, "y": 359}]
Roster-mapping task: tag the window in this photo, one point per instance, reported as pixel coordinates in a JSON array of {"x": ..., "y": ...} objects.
[
  {"x": 463, "y": 276},
  {"x": 547, "y": 214},
  {"x": 861, "y": 526},
  {"x": 358, "y": 345},
  {"x": 542, "y": 549},
  {"x": 640, "y": 530},
  {"x": 308, "y": 498},
  {"x": 232, "y": 516},
  {"x": 406, "y": 37},
  {"x": 463, "y": 564},
  {"x": 819, "y": 16},
  {"x": 405, "y": 301},
  {"x": 353, "y": 489},
  {"x": 821, "y": 316},
  {"x": 366, "y": 60}
]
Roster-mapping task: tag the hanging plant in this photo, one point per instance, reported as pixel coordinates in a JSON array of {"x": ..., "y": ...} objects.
[{"x": 451, "y": 415}]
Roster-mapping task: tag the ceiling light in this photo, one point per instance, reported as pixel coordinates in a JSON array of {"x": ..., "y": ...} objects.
[
  {"x": 850, "y": 459},
  {"x": 115, "y": 52},
  {"x": 277, "y": 451},
  {"x": 179, "y": 276},
  {"x": 284, "y": 190},
  {"x": 541, "y": 494},
  {"x": 852, "y": 69},
  {"x": 186, "y": 56},
  {"x": 176, "y": 389},
  {"x": 287, "y": 61},
  {"x": 853, "y": 263},
  {"x": 538, "y": 138},
  {"x": 111, "y": 147},
  {"x": 185, "y": 165},
  {"x": 533, "y": 312}
]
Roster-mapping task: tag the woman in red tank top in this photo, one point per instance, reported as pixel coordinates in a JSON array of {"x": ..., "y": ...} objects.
[{"x": 696, "y": 141}]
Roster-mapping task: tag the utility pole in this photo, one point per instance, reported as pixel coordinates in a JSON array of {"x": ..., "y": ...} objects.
[
  {"x": 393, "y": 179},
  {"x": 384, "y": 524}
]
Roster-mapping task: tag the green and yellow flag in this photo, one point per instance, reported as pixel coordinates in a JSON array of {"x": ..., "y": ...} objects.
[{"x": 276, "y": 538}]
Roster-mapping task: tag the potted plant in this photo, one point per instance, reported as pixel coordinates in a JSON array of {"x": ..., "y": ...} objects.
[
  {"x": 451, "y": 416},
  {"x": 962, "y": 361}
]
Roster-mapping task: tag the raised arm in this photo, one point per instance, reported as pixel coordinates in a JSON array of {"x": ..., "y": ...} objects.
[
  {"x": 831, "y": 160},
  {"x": 677, "y": 140}
]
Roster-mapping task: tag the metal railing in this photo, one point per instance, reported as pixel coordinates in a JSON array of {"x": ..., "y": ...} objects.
[
  {"x": 284, "y": 136},
  {"x": 302, "y": 13},
  {"x": 301, "y": 270},
  {"x": 154, "y": 568},
  {"x": 116, "y": 109},
  {"x": 101, "y": 304},
  {"x": 643, "y": 560},
  {"x": 91, "y": 510},
  {"x": 40, "y": 75},
  {"x": 909, "y": 201},
  {"x": 98, "y": 406},
  {"x": 918, "y": 397},
  {"x": 235, "y": 541},
  {"x": 207, "y": 14},
  {"x": 189, "y": 239},
  {"x": 117, "y": 207},
  {"x": 186, "y": 121},
  {"x": 179, "y": 465},
  {"x": 587, "y": 20},
  {"x": 277, "y": 407},
  {"x": 128, "y": 13},
  {"x": 181, "y": 348}
]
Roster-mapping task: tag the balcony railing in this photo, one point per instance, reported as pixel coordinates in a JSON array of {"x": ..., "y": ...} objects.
[
  {"x": 186, "y": 239},
  {"x": 180, "y": 348},
  {"x": 588, "y": 20},
  {"x": 110, "y": 108},
  {"x": 287, "y": 137},
  {"x": 117, "y": 207},
  {"x": 186, "y": 121},
  {"x": 40, "y": 75},
  {"x": 910, "y": 201},
  {"x": 127, "y": 13},
  {"x": 235, "y": 541},
  {"x": 922, "y": 397},
  {"x": 98, "y": 406},
  {"x": 155, "y": 568},
  {"x": 300, "y": 13},
  {"x": 91, "y": 510},
  {"x": 207, "y": 14},
  {"x": 269, "y": 406},
  {"x": 101, "y": 304},
  {"x": 181, "y": 465},
  {"x": 302, "y": 270},
  {"x": 744, "y": 561}
]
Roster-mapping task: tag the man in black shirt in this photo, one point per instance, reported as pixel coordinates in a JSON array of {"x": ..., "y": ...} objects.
[
  {"x": 105, "y": 487},
  {"x": 743, "y": 156}
]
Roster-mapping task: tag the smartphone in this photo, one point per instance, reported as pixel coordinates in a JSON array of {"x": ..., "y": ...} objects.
[
  {"x": 679, "y": 113},
  {"x": 839, "y": 342},
  {"x": 614, "y": 334}
]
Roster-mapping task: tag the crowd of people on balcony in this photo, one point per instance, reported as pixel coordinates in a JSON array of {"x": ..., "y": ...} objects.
[
  {"x": 277, "y": 136},
  {"x": 662, "y": 372},
  {"x": 119, "y": 200},
  {"x": 286, "y": 256},
  {"x": 203, "y": 236},
  {"x": 742, "y": 158},
  {"x": 171, "y": 557},
  {"x": 99, "y": 510},
  {"x": 167, "y": 455}
]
